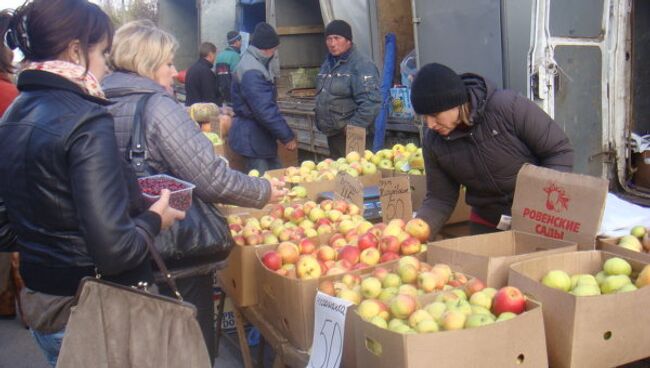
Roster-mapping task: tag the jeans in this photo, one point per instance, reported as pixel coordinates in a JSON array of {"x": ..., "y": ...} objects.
[
  {"x": 262, "y": 164},
  {"x": 50, "y": 344}
]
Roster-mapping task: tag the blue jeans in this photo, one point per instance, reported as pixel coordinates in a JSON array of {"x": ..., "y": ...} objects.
[
  {"x": 50, "y": 344},
  {"x": 262, "y": 164}
]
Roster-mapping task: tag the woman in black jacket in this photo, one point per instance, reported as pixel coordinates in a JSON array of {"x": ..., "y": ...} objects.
[
  {"x": 62, "y": 179},
  {"x": 479, "y": 137}
]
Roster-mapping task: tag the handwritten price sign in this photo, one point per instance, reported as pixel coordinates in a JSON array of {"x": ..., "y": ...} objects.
[
  {"x": 349, "y": 189},
  {"x": 355, "y": 139},
  {"x": 395, "y": 197},
  {"x": 329, "y": 328}
]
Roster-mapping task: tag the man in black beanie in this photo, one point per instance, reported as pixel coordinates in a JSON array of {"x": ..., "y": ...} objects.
[
  {"x": 226, "y": 64},
  {"x": 348, "y": 85},
  {"x": 479, "y": 137},
  {"x": 258, "y": 124}
]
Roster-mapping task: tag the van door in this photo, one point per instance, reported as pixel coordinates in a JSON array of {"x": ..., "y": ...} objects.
[{"x": 576, "y": 73}]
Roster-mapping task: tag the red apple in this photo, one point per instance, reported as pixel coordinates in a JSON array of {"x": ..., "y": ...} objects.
[
  {"x": 410, "y": 246},
  {"x": 367, "y": 240},
  {"x": 388, "y": 256},
  {"x": 340, "y": 205},
  {"x": 307, "y": 246},
  {"x": 344, "y": 264},
  {"x": 326, "y": 253},
  {"x": 323, "y": 221},
  {"x": 508, "y": 299},
  {"x": 277, "y": 211},
  {"x": 350, "y": 253},
  {"x": 235, "y": 227},
  {"x": 297, "y": 215},
  {"x": 289, "y": 252},
  {"x": 272, "y": 260},
  {"x": 254, "y": 239},
  {"x": 389, "y": 244},
  {"x": 472, "y": 286},
  {"x": 323, "y": 267},
  {"x": 419, "y": 229},
  {"x": 327, "y": 287},
  {"x": 239, "y": 240}
]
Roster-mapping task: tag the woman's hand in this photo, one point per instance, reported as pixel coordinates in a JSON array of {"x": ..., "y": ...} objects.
[
  {"x": 291, "y": 145},
  {"x": 278, "y": 191},
  {"x": 168, "y": 215}
]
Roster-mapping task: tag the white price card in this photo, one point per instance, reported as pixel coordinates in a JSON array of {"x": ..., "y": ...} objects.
[{"x": 329, "y": 328}]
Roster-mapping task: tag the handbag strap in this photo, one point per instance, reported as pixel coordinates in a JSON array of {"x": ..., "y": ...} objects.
[
  {"x": 162, "y": 267},
  {"x": 137, "y": 150}
]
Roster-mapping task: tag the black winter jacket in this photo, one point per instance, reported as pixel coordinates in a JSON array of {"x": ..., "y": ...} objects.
[
  {"x": 507, "y": 131},
  {"x": 201, "y": 83},
  {"x": 66, "y": 191}
]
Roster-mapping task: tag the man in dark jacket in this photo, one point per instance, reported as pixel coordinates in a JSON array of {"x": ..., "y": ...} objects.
[
  {"x": 258, "y": 123},
  {"x": 200, "y": 80},
  {"x": 480, "y": 137},
  {"x": 226, "y": 64},
  {"x": 348, "y": 89}
]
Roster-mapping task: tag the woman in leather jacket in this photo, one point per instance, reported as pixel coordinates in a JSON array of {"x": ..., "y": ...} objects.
[{"x": 65, "y": 188}]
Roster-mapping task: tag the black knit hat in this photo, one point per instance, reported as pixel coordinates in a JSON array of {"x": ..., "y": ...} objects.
[
  {"x": 437, "y": 88},
  {"x": 340, "y": 28},
  {"x": 233, "y": 36},
  {"x": 264, "y": 37}
]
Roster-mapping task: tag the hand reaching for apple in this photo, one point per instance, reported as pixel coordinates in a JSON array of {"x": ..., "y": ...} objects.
[{"x": 278, "y": 191}]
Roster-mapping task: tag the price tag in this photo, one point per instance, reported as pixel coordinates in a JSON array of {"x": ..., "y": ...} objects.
[
  {"x": 349, "y": 189},
  {"x": 355, "y": 139},
  {"x": 395, "y": 197},
  {"x": 329, "y": 329}
]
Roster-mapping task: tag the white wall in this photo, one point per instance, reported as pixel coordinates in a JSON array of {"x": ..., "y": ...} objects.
[{"x": 217, "y": 19}]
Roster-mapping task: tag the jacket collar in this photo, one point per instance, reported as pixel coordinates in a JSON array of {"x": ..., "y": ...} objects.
[
  {"x": 205, "y": 62},
  {"x": 257, "y": 54},
  {"x": 124, "y": 82},
  {"x": 34, "y": 80},
  {"x": 335, "y": 61}
]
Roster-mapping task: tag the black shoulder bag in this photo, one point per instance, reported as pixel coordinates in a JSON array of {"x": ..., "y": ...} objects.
[{"x": 203, "y": 237}]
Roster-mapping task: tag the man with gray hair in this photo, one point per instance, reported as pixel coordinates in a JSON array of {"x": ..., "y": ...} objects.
[{"x": 200, "y": 80}]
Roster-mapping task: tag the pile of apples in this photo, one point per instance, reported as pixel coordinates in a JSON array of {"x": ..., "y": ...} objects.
[
  {"x": 296, "y": 222},
  {"x": 614, "y": 278},
  {"x": 355, "y": 246},
  {"x": 637, "y": 241},
  {"x": 405, "y": 159},
  {"x": 389, "y": 300}
]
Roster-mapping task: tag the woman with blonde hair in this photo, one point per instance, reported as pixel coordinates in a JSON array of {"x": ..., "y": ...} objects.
[{"x": 142, "y": 57}]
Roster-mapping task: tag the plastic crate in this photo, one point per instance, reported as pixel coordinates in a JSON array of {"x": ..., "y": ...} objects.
[{"x": 181, "y": 191}]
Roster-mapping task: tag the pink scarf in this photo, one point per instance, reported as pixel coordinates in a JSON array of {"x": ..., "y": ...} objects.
[{"x": 75, "y": 73}]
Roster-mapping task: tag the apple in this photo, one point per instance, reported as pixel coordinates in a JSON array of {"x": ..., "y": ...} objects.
[
  {"x": 369, "y": 308},
  {"x": 377, "y": 230},
  {"x": 402, "y": 306},
  {"x": 478, "y": 320},
  {"x": 306, "y": 224},
  {"x": 307, "y": 246},
  {"x": 367, "y": 240},
  {"x": 350, "y": 253},
  {"x": 316, "y": 214},
  {"x": 272, "y": 260},
  {"x": 353, "y": 209},
  {"x": 453, "y": 320},
  {"x": 326, "y": 204},
  {"x": 410, "y": 260},
  {"x": 557, "y": 279},
  {"x": 472, "y": 286},
  {"x": 627, "y": 288},
  {"x": 389, "y": 244},
  {"x": 310, "y": 233},
  {"x": 638, "y": 231},
  {"x": 408, "y": 273},
  {"x": 289, "y": 252},
  {"x": 388, "y": 256},
  {"x": 337, "y": 240},
  {"x": 324, "y": 229},
  {"x": 327, "y": 287},
  {"x": 508, "y": 299},
  {"x": 410, "y": 246},
  {"x": 505, "y": 316},
  {"x": 436, "y": 309},
  {"x": 345, "y": 226},
  {"x": 408, "y": 289},
  {"x": 380, "y": 273},
  {"x": 254, "y": 239},
  {"x": 387, "y": 294},
  {"x": 326, "y": 253},
  {"x": 586, "y": 290},
  {"x": 370, "y": 287},
  {"x": 308, "y": 268},
  {"x": 630, "y": 242},
  {"x": 419, "y": 229},
  {"x": 340, "y": 205},
  {"x": 644, "y": 277},
  {"x": 351, "y": 280},
  {"x": 239, "y": 240},
  {"x": 613, "y": 283},
  {"x": 617, "y": 266},
  {"x": 370, "y": 256},
  {"x": 460, "y": 305},
  {"x": 349, "y": 295},
  {"x": 397, "y": 222},
  {"x": 234, "y": 219},
  {"x": 364, "y": 226},
  {"x": 427, "y": 326},
  {"x": 481, "y": 299},
  {"x": 369, "y": 168},
  {"x": 352, "y": 237},
  {"x": 418, "y": 316},
  {"x": 336, "y": 270},
  {"x": 427, "y": 281}
]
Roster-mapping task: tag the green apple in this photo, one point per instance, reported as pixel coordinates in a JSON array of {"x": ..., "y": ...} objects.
[
  {"x": 626, "y": 288},
  {"x": 557, "y": 279},
  {"x": 630, "y": 242},
  {"x": 418, "y": 316},
  {"x": 506, "y": 316},
  {"x": 436, "y": 309},
  {"x": 600, "y": 277},
  {"x": 583, "y": 279},
  {"x": 586, "y": 290},
  {"x": 481, "y": 299},
  {"x": 638, "y": 231},
  {"x": 617, "y": 266},
  {"x": 613, "y": 283},
  {"x": 427, "y": 326},
  {"x": 379, "y": 322},
  {"x": 478, "y": 320}
]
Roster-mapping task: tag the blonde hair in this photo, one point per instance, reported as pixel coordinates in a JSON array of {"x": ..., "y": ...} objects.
[
  {"x": 141, "y": 47},
  {"x": 464, "y": 114}
]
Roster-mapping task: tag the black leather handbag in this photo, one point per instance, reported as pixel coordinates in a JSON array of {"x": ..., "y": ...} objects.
[{"x": 203, "y": 236}]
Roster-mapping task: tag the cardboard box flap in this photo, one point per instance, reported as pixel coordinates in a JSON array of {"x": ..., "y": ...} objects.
[{"x": 559, "y": 205}]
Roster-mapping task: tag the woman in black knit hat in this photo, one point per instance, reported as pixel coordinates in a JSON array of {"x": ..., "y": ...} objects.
[{"x": 479, "y": 137}]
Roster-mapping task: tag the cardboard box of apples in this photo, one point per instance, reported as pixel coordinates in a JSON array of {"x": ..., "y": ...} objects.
[
  {"x": 415, "y": 314},
  {"x": 635, "y": 245},
  {"x": 289, "y": 275},
  {"x": 276, "y": 224},
  {"x": 595, "y": 306}
]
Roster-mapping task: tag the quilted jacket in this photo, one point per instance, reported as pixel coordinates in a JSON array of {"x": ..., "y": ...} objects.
[
  {"x": 258, "y": 123},
  {"x": 507, "y": 131},
  {"x": 177, "y": 146}
]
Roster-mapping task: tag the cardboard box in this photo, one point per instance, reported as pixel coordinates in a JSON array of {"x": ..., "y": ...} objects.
[
  {"x": 515, "y": 342},
  {"x": 489, "y": 256},
  {"x": 593, "y": 331},
  {"x": 559, "y": 205},
  {"x": 239, "y": 279},
  {"x": 288, "y": 303},
  {"x": 611, "y": 245},
  {"x": 316, "y": 187}
]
